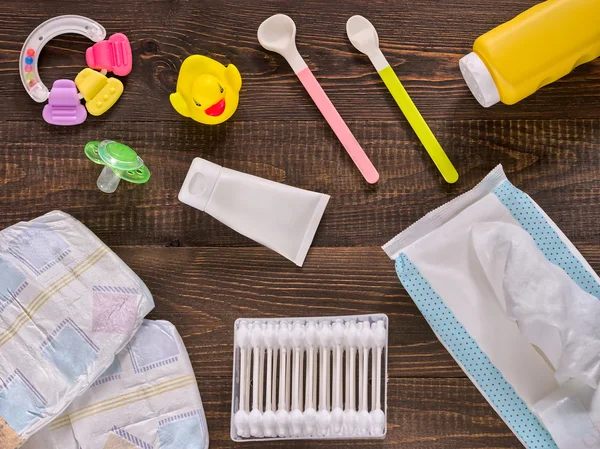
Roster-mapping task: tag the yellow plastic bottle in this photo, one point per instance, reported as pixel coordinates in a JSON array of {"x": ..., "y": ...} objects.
[{"x": 536, "y": 48}]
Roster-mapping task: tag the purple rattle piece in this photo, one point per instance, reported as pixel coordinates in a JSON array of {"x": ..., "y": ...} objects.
[{"x": 64, "y": 106}]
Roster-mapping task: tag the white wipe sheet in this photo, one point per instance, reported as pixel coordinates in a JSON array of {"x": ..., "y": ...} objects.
[{"x": 551, "y": 310}]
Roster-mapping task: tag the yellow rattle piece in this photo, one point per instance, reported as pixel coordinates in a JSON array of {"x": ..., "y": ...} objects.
[
  {"x": 100, "y": 92},
  {"x": 207, "y": 91}
]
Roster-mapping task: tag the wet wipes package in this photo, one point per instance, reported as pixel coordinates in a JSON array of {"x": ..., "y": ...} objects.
[
  {"x": 516, "y": 305},
  {"x": 68, "y": 304},
  {"x": 147, "y": 399}
]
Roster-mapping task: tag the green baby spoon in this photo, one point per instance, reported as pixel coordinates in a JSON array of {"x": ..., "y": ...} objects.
[
  {"x": 120, "y": 162},
  {"x": 363, "y": 36}
]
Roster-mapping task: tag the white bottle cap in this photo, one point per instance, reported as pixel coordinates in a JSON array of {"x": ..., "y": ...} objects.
[
  {"x": 479, "y": 79},
  {"x": 199, "y": 183}
]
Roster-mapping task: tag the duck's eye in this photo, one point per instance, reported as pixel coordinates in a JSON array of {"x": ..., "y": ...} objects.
[
  {"x": 197, "y": 104},
  {"x": 221, "y": 89}
]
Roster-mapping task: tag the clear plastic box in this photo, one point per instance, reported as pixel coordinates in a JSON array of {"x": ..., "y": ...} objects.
[{"x": 377, "y": 414}]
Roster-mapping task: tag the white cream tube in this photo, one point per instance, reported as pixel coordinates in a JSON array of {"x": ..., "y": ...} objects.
[{"x": 278, "y": 216}]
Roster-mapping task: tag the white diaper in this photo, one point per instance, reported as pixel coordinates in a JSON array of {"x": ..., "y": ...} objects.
[
  {"x": 515, "y": 304},
  {"x": 68, "y": 304},
  {"x": 147, "y": 399}
]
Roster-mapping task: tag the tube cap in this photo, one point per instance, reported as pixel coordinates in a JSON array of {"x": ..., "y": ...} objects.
[
  {"x": 199, "y": 183},
  {"x": 479, "y": 79}
]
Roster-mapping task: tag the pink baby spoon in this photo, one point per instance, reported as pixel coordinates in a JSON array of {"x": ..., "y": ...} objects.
[{"x": 278, "y": 34}]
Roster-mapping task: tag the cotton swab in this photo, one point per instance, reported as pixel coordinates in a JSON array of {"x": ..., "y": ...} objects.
[
  {"x": 337, "y": 415},
  {"x": 315, "y": 375},
  {"x": 361, "y": 362},
  {"x": 283, "y": 336},
  {"x": 296, "y": 415},
  {"x": 310, "y": 414},
  {"x": 364, "y": 418},
  {"x": 346, "y": 373},
  {"x": 377, "y": 415},
  {"x": 274, "y": 374},
  {"x": 323, "y": 415},
  {"x": 255, "y": 419},
  {"x": 261, "y": 374},
  {"x": 288, "y": 374},
  {"x": 301, "y": 378},
  {"x": 241, "y": 416},
  {"x": 350, "y": 416},
  {"x": 373, "y": 370},
  {"x": 269, "y": 419},
  {"x": 248, "y": 374}
]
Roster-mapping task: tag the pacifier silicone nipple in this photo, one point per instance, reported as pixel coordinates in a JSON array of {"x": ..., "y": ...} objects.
[{"x": 120, "y": 162}]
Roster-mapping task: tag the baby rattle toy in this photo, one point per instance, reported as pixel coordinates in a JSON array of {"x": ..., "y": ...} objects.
[
  {"x": 120, "y": 162},
  {"x": 207, "y": 91},
  {"x": 64, "y": 99}
]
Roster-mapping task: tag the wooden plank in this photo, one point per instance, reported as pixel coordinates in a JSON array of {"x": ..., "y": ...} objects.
[
  {"x": 43, "y": 168},
  {"x": 422, "y": 414},
  {"x": 423, "y": 40},
  {"x": 208, "y": 276},
  {"x": 204, "y": 290}
]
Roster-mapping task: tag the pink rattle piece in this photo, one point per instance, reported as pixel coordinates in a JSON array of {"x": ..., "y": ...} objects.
[
  {"x": 112, "y": 55},
  {"x": 64, "y": 106},
  {"x": 278, "y": 34}
]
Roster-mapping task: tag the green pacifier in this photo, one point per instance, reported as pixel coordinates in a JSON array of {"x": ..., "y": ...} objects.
[{"x": 120, "y": 162}]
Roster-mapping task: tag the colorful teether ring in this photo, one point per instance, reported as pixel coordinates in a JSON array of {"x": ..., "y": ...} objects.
[
  {"x": 112, "y": 55},
  {"x": 100, "y": 93},
  {"x": 36, "y": 41},
  {"x": 64, "y": 106}
]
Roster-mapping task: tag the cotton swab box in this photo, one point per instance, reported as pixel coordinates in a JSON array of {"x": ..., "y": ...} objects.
[{"x": 305, "y": 378}]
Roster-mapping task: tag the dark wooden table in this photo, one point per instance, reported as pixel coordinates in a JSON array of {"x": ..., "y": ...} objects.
[{"x": 204, "y": 275}]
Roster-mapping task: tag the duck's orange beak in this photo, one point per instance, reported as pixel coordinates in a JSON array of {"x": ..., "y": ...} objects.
[{"x": 216, "y": 109}]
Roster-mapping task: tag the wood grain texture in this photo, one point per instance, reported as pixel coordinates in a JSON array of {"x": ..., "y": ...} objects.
[
  {"x": 203, "y": 275},
  {"x": 44, "y": 167},
  {"x": 422, "y": 39},
  {"x": 204, "y": 290},
  {"x": 424, "y": 414}
]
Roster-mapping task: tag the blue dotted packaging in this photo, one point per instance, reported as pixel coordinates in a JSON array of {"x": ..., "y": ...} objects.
[{"x": 422, "y": 275}]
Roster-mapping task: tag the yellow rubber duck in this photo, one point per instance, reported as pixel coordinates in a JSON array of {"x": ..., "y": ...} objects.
[{"x": 207, "y": 91}]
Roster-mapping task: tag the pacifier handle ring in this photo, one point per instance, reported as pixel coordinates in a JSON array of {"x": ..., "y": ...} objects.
[{"x": 35, "y": 42}]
